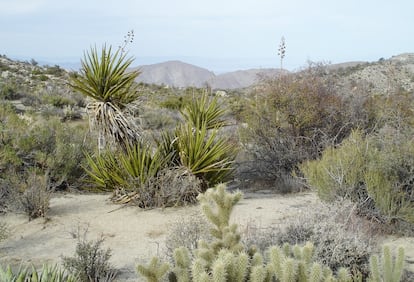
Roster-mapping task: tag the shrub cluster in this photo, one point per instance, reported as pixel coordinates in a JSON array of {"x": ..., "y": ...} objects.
[
  {"x": 292, "y": 118},
  {"x": 376, "y": 172},
  {"x": 38, "y": 156}
]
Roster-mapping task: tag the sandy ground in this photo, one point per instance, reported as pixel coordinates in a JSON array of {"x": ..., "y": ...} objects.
[{"x": 134, "y": 235}]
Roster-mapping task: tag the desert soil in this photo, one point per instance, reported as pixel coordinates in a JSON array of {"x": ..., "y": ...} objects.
[{"x": 134, "y": 235}]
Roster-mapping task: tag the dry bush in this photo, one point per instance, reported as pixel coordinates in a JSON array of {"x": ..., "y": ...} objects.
[
  {"x": 36, "y": 197},
  {"x": 91, "y": 261},
  {"x": 4, "y": 232},
  {"x": 170, "y": 187},
  {"x": 292, "y": 119},
  {"x": 186, "y": 232},
  {"x": 341, "y": 238},
  {"x": 8, "y": 196}
]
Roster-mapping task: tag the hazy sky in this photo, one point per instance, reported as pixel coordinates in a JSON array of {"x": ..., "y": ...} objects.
[{"x": 216, "y": 34}]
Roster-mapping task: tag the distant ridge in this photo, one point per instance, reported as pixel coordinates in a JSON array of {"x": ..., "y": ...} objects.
[
  {"x": 180, "y": 74},
  {"x": 175, "y": 73}
]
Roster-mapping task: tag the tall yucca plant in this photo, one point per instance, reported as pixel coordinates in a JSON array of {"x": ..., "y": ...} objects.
[{"x": 105, "y": 79}]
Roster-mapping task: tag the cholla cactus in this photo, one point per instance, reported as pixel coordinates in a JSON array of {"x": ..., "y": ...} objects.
[
  {"x": 226, "y": 259},
  {"x": 387, "y": 269}
]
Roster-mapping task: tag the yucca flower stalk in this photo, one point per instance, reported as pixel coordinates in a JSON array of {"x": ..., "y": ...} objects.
[{"x": 105, "y": 79}]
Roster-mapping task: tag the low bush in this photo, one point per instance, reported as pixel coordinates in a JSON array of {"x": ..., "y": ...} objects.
[
  {"x": 291, "y": 118},
  {"x": 340, "y": 237},
  {"x": 91, "y": 261},
  {"x": 376, "y": 172},
  {"x": 36, "y": 197},
  {"x": 47, "y": 145},
  {"x": 186, "y": 232},
  {"x": 4, "y": 232}
]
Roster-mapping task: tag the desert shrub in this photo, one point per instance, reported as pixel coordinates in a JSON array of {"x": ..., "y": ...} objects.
[
  {"x": 339, "y": 236},
  {"x": 157, "y": 119},
  {"x": 143, "y": 177},
  {"x": 57, "y": 100},
  {"x": 172, "y": 186},
  {"x": 46, "y": 274},
  {"x": 186, "y": 232},
  {"x": 173, "y": 102},
  {"x": 48, "y": 145},
  {"x": 4, "y": 232},
  {"x": 223, "y": 258},
  {"x": 36, "y": 197},
  {"x": 375, "y": 172},
  {"x": 91, "y": 261},
  {"x": 9, "y": 92},
  {"x": 292, "y": 118},
  {"x": 55, "y": 70}
]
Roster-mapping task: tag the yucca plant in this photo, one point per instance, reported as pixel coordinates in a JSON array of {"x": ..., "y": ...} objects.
[
  {"x": 103, "y": 170},
  {"x": 205, "y": 154},
  {"x": 105, "y": 79},
  {"x": 140, "y": 163},
  {"x": 127, "y": 169},
  {"x": 47, "y": 274},
  {"x": 202, "y": 110}
]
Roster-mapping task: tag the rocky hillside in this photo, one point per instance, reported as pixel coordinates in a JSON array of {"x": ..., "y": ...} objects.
[
  {"x": 378, "y": 77},
  {"x": 382, "y": 77}
]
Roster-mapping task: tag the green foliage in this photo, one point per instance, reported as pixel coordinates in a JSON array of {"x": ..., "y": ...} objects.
[
  {"x": 104, "y": 77},
  {"x": 387, "y": 269},
  {"x": 91, "y": 262},
  {"x": 225, "y": 259},
  {"x": 130, "y": 169},
  {"x": 197, "y": 145},
  {"x": 204, "y": 153},
  {"x": 9, "y": 91},
  {"x": 375, "y": 172},
  {"x": 58, "y": 101},
  {"x": 47, "y": 274},
  {"x": 202, "y": 110},
  {"x": 154, "y": 271},
  {"x": 339, "y": 171}
]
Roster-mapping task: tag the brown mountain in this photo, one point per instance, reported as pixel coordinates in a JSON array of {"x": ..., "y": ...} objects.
[
  {"x": 175, "y": 73},
  {"x": 179, "y": 74}
]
